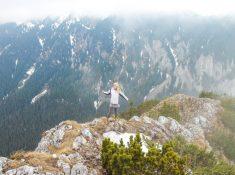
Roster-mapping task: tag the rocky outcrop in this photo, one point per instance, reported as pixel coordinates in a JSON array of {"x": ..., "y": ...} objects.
[
  {"x": 73, "y": 148},
  {"x": 53, "y": 137}
]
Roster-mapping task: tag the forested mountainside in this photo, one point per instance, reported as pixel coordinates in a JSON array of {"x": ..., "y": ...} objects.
[
  {"x": 55, "y": 69},
  {"x": 161, "y": 140}
]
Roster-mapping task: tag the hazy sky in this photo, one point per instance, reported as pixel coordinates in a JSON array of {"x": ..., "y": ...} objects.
[{"x": 21, "y": 10}]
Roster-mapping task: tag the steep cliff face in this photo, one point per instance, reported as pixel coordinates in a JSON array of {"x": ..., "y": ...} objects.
[{"x": 74, "y": 148}]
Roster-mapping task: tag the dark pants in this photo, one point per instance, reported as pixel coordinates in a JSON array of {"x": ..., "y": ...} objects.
[{"x": 111, "y": 111}]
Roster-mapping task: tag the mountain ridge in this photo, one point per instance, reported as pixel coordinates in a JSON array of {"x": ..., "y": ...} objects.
[{"x": 66, "y": 148}]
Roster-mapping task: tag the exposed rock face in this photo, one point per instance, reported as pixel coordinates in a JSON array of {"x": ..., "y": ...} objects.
[
  {"x": 76, "y": 147},
  {"x": 23, "y": 170},
  {"x": 195, "y": 110},
  {"x": 53, "y": 137},
  {"x": 3, "y": 160},
  {"x": 199, "y": 116}
]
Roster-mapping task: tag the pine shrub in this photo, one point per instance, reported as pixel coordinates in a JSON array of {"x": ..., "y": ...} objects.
[{"x": 120, "y": 160}]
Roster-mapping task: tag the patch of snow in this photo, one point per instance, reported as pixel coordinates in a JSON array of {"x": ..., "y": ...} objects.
[
  {"x": 151, "y": 89},
  {"x": 58, "y": 22},
  {"x": 5, "y": 97},
  {"x": 114, "y": 37},
  {"x": 16, "y": 62},
  {"x": 58, "y": 61},
  {"x": 145, "y": 97},
  {"x": 86, "y": 27},
  {"x": 29, "y": 25},
  {"x": 56, "y": 25},
  {"x": 135, "y": 118},
  {"x": 115, "y": 137},
  {"x": 40, "y": 95},
  {"x": 174, "y": 55},
  {"x": 72, "y": 39},
  {"x": 29, "y": 73},
  {"x": 41, "y": 26},
  {"x": 97, "y": 104},
  {"x": 127, "y": 74},
  {"x": 72, "y": 52},
  {"x": 70, "y": 21},
  {"x": 41, "y": 41},
  {"x": 123, "y": 59}
]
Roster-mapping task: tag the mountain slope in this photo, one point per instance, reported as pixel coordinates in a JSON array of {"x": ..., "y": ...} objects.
[{"x": 55, "y": 69}]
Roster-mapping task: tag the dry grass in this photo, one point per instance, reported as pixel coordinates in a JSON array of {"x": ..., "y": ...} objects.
[
  {"x": 44, "y": 160},
  {"x": 101, "y": 125},
  {"x": 17, "y": 155},
  {"x": 13, "y": 165},
  {"x": 67, "y": 142},
  {"x": 35, "y": 159}
]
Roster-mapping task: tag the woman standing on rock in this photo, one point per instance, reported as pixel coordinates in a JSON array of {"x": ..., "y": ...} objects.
[{"x": 114, "y": 93}]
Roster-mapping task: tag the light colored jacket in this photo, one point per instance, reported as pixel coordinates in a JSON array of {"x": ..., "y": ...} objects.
[{"x": 114, "y": 99}]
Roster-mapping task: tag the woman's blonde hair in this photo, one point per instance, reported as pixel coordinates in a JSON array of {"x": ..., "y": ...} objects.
[{"x": 117, "y": 86}]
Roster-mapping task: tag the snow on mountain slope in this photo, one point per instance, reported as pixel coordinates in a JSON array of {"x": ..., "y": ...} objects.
[
  {"x": 40, "y": 95},
  {"x": 28, "y": 74}
]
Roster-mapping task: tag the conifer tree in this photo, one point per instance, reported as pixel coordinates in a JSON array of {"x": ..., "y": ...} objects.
[{"x": 121, "y": 160}]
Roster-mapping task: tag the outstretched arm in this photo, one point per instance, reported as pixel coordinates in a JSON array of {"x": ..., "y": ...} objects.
[
  {"x": 107, "y": 92},
  {"x": 123, "y": 96}
]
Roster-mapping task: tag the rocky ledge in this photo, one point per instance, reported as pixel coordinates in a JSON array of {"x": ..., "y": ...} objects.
[{"x": 74, "y": 148}]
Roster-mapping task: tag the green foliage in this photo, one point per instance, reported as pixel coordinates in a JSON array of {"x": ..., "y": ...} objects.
[
  {"x": 142, "y": 108},
  {"x": 205, "y": 94},
  {"x": 121, "y": 160},
  {"x": 225, "y": 141},
  {"x": 176, "y": 157},
  {"x": 228, "y": 115},
  {"x": 196, "y": 157},
  {"x": 221, "y": 168},
  {"x": 170, "y": 110},
  {"x": 200, "y": 161}
]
